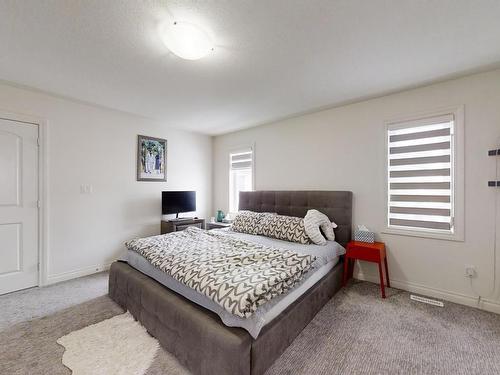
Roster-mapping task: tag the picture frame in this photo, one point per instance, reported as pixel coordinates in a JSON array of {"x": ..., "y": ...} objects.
[{"x": 151, "y": 159}]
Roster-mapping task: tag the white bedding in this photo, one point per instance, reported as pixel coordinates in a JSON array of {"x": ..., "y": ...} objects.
[{"x": 326, "y": 258}]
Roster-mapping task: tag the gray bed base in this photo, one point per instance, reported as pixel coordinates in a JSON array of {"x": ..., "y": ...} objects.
[{"x": 198, "y": 338}]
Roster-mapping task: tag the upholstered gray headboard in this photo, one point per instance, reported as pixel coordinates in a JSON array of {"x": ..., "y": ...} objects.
[{"x": 337, "y": 205}]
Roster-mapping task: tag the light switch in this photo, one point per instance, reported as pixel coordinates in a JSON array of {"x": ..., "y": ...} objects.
[{"x": 86, "y": 189}]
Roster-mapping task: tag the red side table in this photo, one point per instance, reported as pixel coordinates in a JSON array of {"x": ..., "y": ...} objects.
[{"x": 371, "y": 252}]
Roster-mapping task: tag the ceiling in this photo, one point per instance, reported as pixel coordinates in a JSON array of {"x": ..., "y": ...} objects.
[{"x": 273, "y": 59}]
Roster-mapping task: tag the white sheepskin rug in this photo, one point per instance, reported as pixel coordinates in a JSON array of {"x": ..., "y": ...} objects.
[{"x": 119, "y": 345}]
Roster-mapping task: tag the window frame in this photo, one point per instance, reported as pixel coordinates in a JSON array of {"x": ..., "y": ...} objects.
[
  {"x": 458, "y": 175},
  {"x": 236, "y": 150}
]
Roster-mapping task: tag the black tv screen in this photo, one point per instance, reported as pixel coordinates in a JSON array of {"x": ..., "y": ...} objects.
[{"x": 174, "y": 202}]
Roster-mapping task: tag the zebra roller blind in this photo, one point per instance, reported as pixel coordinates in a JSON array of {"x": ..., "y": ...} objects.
[
  {"x": 420, "y": 174},
  {"x": 241, "y": 160},
  {"x": 240, "y": 175}
]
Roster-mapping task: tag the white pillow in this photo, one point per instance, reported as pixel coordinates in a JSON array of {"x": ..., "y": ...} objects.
[
  {"x": 314, "y": 223},
  {"x": 328, "y": 229}
]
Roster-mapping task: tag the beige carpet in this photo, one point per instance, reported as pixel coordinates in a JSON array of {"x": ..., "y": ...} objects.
[
  {"x": 355, "y": 333},
  {"x": 36, "y": 302}
]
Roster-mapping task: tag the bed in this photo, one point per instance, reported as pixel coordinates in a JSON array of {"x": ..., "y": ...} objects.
[{"x": 196, "y": 335}]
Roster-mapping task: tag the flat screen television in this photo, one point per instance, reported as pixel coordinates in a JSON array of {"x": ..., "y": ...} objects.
[{"x": 175, "y": 202}]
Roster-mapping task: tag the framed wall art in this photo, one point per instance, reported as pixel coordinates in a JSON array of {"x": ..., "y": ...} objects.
[{"x": 151, "y": 159}]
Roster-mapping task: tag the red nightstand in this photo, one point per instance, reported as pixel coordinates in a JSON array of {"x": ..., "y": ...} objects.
[{"x": 371, "y": 252}]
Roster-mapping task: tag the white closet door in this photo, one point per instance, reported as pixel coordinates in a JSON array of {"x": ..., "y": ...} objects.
[{"x": 18, "y": 206}]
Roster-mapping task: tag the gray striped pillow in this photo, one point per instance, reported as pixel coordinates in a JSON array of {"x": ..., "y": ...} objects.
[{"x": 318, "y": 226}]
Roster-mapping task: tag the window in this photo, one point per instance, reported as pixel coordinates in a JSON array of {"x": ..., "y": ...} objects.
[
  {"x": 421, "y": 176},
  {"x": 240, "y": 175}
]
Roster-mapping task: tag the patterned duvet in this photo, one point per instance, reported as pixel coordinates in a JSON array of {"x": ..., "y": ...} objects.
[{"x": 238, "y": 275}]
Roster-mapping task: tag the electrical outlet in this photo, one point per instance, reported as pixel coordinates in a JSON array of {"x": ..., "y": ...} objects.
[{"x": 470, "y": 271}]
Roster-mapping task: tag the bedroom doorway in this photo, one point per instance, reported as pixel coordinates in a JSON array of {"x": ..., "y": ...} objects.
[{"x": 19, "y": 202}]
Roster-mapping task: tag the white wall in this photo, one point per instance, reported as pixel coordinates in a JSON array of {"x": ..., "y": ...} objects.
[
  {"x": 343, "y": 149},
  {"x": 97, "y": 146}
]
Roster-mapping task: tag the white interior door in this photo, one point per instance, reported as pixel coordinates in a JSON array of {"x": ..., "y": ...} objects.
[{"x": 18, "y": 205}]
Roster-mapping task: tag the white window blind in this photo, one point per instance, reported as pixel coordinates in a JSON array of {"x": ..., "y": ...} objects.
[
  {"x": 420, "y": 174},
  {"x": 240, "y": 175}
]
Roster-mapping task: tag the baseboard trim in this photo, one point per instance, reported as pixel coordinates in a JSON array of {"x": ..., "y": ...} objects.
[
  {"x": 462, "y": 299},
  {"x": 64, "y": 276}
]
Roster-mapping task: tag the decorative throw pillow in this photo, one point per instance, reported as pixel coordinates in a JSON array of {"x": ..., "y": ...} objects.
[
  {"x": 248, "y": 222},
  {"x": 288, "y": 228},
  {"x": 318, "y": 226}
]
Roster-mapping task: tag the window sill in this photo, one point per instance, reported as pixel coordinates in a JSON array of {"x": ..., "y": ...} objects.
[{"x": 414, "y": 233}]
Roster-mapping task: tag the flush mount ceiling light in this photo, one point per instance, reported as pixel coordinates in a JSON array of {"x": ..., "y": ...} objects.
[{"x": 186, "y": 40}]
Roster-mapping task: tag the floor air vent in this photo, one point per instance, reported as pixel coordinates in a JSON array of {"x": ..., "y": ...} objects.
[{"x": 426, "y": 300}]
